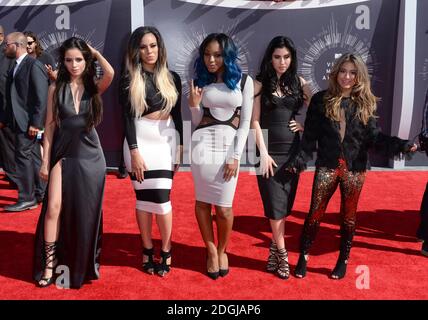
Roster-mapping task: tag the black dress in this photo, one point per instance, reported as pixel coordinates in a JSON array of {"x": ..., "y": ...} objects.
[
  {"x": 278, "y": 192},
  {"x": 83, "y": 178}
]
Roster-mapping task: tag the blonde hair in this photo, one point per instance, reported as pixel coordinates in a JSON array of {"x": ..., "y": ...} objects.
[
  {"x": 361, "y": 93},
  {"x": 163, "y": 78}
]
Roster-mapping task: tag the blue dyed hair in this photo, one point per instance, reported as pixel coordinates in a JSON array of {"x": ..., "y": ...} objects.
[{"x": 232, "y": 71}]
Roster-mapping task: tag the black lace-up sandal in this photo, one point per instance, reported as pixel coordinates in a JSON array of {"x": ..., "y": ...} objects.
[
  {"x": 50, "y": 264},
  {"x": 272, "y": 263},
  {"x": 283, "y": 270}
]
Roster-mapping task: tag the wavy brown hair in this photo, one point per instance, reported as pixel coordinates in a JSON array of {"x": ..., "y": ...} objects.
[
  {"x": 88, "y": 77},
  {"x": 361, "y": 93}
]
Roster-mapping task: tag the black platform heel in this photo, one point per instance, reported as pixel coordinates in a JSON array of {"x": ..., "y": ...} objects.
[
  {"x": 347, "y": 234},
  {"x": 339, "y": 270},
  {"x": 50, "y": 264},
  {"x": 300, "y": 271},
  {"x": 149, "y": 264},
  {"x": 165, "y": 264}
]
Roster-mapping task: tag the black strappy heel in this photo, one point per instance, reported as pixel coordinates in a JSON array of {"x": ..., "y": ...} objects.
[
  {"x": 272, "y": 263},
  {"x": 149, "y": 265},
  {"x": 165, "y": 264},
  {"x": 50, "y": 264},
  {"x": 283, "y": 270}
]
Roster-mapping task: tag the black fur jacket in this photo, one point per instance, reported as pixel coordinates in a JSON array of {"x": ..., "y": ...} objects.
[{"x": 358, "y": 139}]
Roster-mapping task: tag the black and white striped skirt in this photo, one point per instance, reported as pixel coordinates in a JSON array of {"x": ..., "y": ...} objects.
[{"x": 156, "y": 141}]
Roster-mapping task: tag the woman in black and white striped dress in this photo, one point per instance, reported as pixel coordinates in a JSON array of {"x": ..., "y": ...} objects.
[{"x": 151, "y": 97}]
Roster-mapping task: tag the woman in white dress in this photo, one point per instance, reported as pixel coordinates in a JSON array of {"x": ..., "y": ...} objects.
[
  {"x": 220, "y": 100},
  {"x": 151, "y": 97}
]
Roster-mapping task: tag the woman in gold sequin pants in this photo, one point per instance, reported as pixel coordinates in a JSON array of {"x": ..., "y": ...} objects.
[
  {"x": 342, "y": 122},
  {"x": 325, "y": 184}
]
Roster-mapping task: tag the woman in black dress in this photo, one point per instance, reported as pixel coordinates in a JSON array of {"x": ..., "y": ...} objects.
[
  {"x": 70, "y": 225},
  {"x": 279, "y": 95}
]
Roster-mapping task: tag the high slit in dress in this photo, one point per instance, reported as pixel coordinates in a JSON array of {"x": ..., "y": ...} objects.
[{"x": 83, "y": 178}]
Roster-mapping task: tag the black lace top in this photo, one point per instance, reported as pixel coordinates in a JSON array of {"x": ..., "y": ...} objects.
[{"x": 153, "y": 100}]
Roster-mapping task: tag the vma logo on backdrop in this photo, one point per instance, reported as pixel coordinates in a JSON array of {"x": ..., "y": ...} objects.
[
  {"x": 51, "y": 41},
  {"x": 316, "y": 60}
]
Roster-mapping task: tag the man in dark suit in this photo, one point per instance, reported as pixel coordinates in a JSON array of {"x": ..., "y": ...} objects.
[
  {"x": 7, "y": 145},
  {"x": 26, "y": 97},
  {"x": 422, "y": 232}
]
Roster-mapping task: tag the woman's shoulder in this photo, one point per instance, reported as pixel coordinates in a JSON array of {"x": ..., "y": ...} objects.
[
  {"x": 246, "y": 78},
  {"x": 175, "y": 75},
  {"x": 176, "y": 78},
  {"x": 52, "y": 88},
  {"x": 318, "y": 97},
  {"x": 317, "y": 104},
  {"x": 257, "y": 85}
]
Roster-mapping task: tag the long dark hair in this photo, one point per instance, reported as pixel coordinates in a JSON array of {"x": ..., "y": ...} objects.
[
  {"x": 232, "y": 71},
  {"x": 289, "y": 82},
  {"x": 88, "y": 77},
  {"x": 163, "y": 78},
  {"x": 38, "y": 47}
]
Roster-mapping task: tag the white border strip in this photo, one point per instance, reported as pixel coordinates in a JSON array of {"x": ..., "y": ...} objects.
[
  {"x": 137, "y": 14},
  {"x": 404, "y": 86},
  {"x": 264, "y": 5},
  {"x": 23, "y": 3}
]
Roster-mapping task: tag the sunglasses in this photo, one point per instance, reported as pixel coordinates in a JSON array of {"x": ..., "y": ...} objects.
[{"x": 29, "y": 43}]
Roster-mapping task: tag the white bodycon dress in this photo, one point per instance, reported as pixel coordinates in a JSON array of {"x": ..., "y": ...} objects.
[{"x": 218, "y": 138}]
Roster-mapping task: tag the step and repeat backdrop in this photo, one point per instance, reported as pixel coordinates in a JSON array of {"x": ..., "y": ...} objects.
[
  {"x": 421, "y": 77},
  {"x": 105, "y": 24},
  {"x": 321, "y": 30}
]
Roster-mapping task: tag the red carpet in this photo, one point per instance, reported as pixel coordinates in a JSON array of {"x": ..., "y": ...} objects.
[{"x": 385, "y": 247}]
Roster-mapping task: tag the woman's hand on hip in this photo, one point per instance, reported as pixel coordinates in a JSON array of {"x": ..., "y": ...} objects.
[{"x": 295, "y": 126}]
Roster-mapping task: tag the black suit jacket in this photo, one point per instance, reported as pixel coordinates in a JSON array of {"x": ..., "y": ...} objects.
[
  {"x": 5, "y": 65},
  {"x": 359, "y": 138},
  {"x": 26, "y": 96}
]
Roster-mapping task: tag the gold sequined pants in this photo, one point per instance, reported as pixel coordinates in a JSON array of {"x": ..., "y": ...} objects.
[{"x": 325, "y": 184}]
